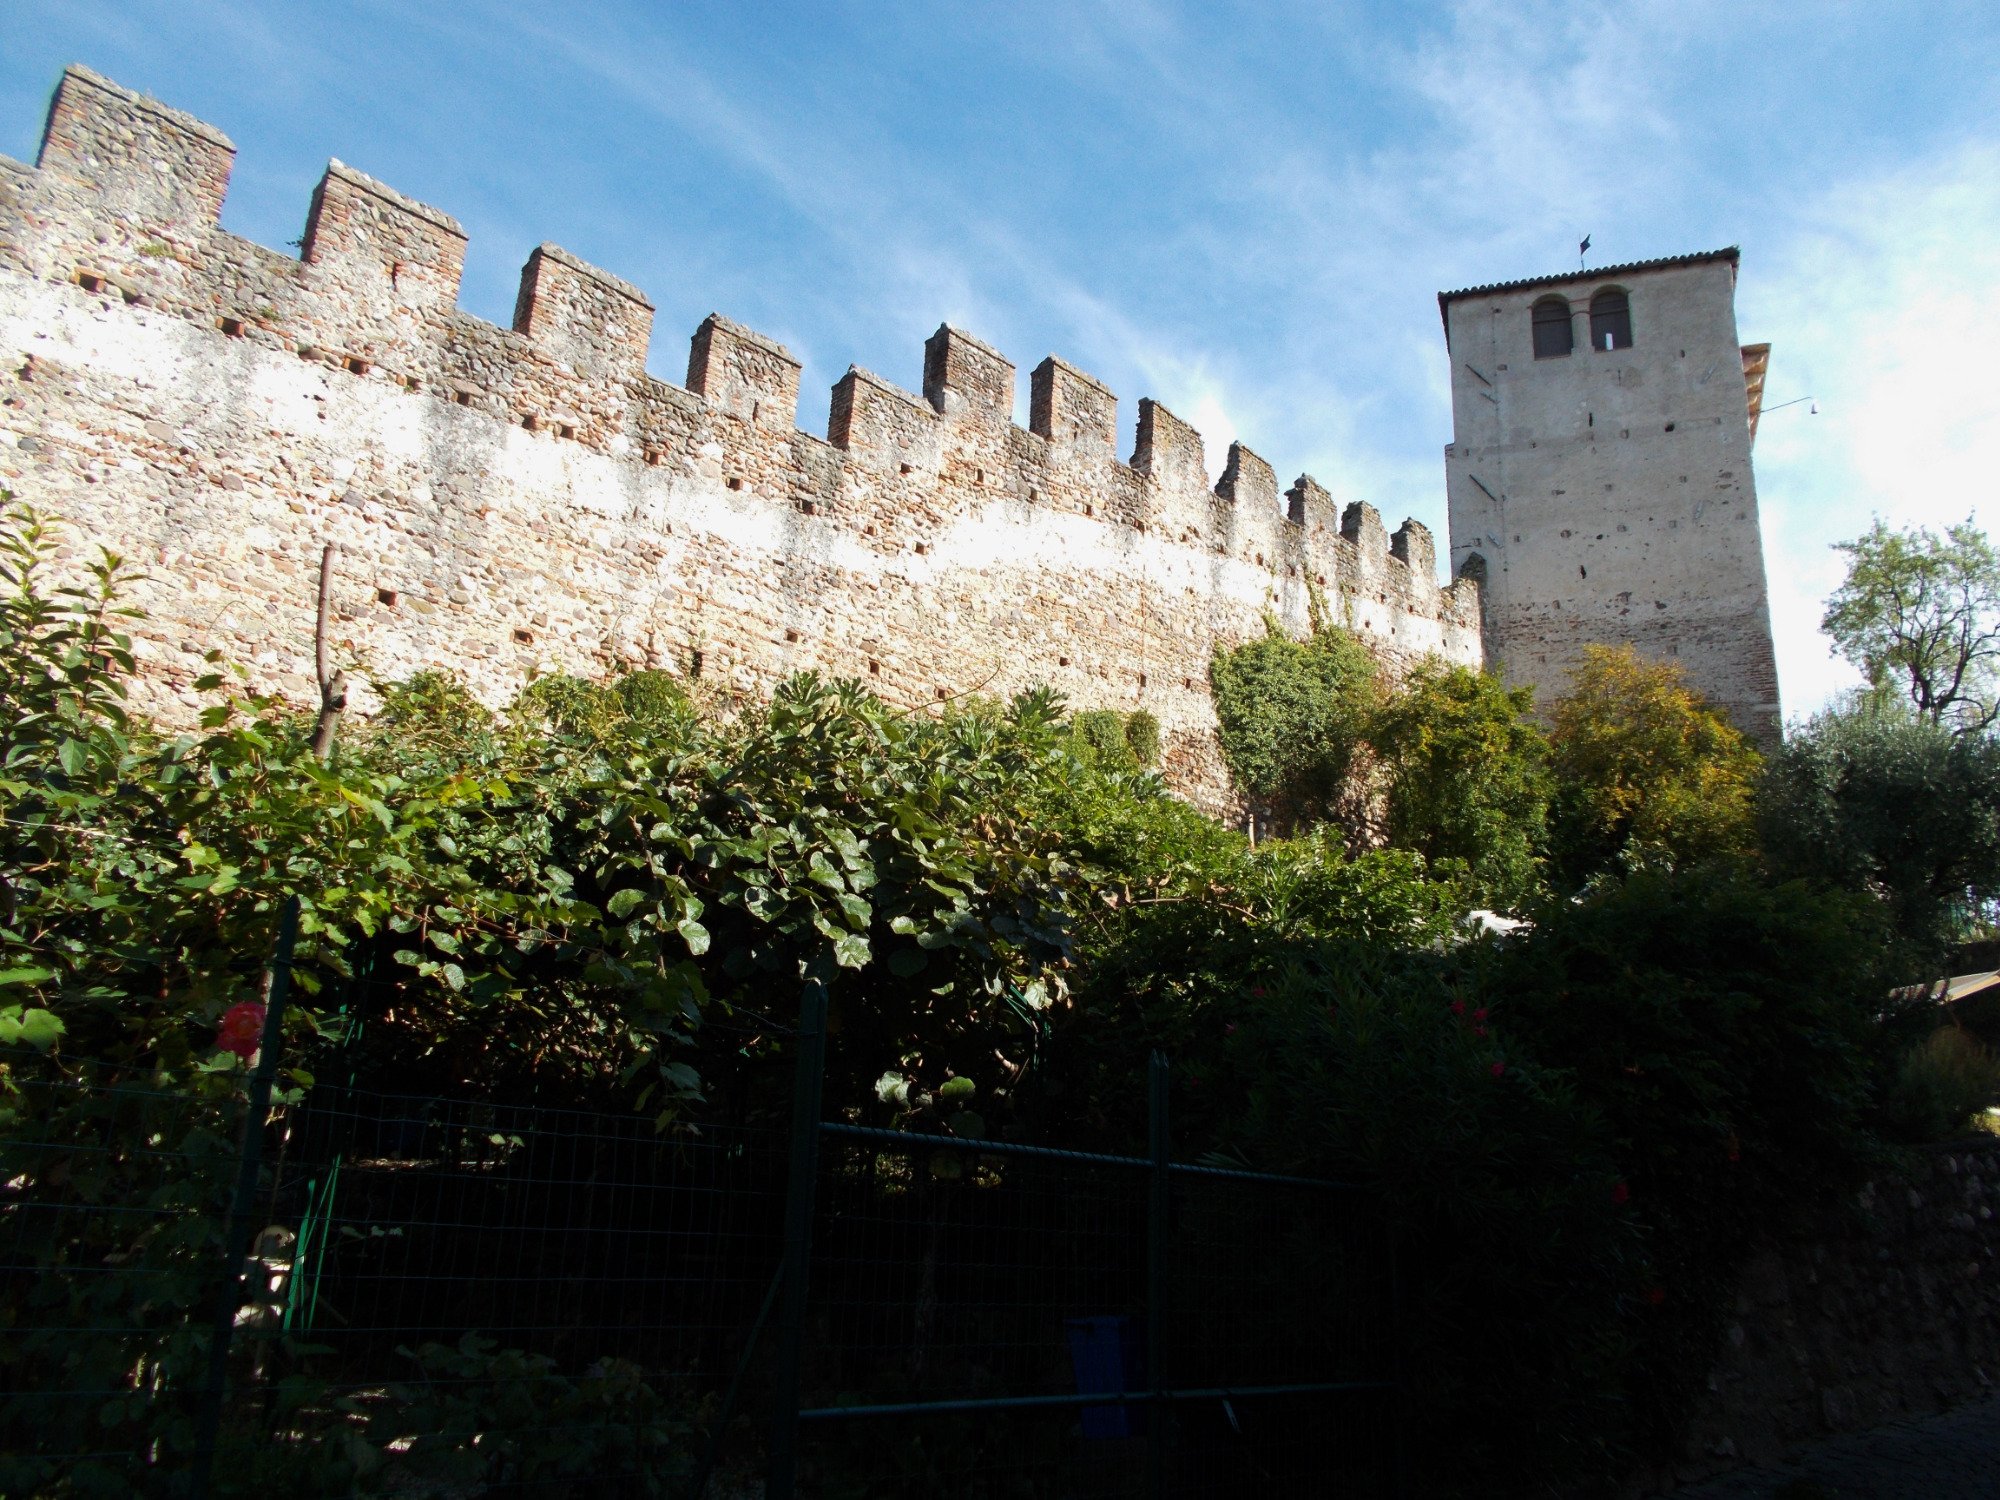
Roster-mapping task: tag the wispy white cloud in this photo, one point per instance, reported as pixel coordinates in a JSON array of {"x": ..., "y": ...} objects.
[{"x": 1883, "y": 301}]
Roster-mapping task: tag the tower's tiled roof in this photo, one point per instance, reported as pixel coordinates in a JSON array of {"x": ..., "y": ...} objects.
[{"x": 1589, "y": 273}]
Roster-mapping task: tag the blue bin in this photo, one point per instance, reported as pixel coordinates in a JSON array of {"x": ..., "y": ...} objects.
[{"x": 1106, "y": 1355}]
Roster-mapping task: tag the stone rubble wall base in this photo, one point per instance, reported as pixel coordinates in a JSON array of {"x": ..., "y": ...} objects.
[{"x": 1892, "y": 1311}]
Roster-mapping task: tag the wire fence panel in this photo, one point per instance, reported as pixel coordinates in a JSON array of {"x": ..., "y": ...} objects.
[
  {"x": 453, "y": 1297},
  {"x": 968, "y": 1301},
  {"x": 573, "y": 1285},
  {"x": 1277, "y": 1284},
  {"x": 446, "y": 1296},
  {"x": 942, "y": 1273}
]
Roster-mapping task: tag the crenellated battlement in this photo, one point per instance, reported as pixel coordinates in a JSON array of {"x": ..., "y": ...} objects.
[{"x": 927, "y": 542}]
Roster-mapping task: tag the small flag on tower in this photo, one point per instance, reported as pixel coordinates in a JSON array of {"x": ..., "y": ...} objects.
[{"x": 1583, "y": 249}]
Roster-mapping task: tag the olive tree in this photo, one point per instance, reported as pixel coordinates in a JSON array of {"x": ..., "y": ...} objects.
[{"x": 1920, "y": 614}]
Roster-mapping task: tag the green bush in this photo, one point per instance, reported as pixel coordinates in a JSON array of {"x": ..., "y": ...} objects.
[
  {"x": 1467, "y": 776},
  {"x": 655, "y": 699},
  {"x": 1103, "y": 739},
  {"x": 1941, "y": 1087},
  {"x": 1526, "y": 1273},
  {"x": 1730, "y": 1033},
  {"x": 1321, "y": 1024},
  {"x": 1142, "y": 733},
  {"x": 1099, "y": 739},
  {"x": 434, "y": 701},
  {"x": 1878, "y": 801},
  {"x": 1291, "y": 718},
  {"x": 570, "y": 705}
]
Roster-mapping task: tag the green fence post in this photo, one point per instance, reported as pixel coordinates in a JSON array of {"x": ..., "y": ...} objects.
[
  {"x": 803, "y": 1177},
  {"x": 236, "y": 1237},
  {"x": 1159, "y": 1210}
]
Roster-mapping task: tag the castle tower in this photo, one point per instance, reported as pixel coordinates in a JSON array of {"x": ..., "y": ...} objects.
[{"x": 1599, "y": 476}]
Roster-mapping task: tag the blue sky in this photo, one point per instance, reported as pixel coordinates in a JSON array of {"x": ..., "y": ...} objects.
[{"x": 1245, "y": 211}]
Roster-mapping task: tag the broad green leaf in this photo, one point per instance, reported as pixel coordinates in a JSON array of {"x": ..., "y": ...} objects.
[
  {"x": 683, "y": 1077},
  {"x": 40, "y": 1029}
]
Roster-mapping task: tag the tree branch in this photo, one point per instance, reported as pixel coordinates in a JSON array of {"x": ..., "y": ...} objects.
[{"x": 332, "y": 683}]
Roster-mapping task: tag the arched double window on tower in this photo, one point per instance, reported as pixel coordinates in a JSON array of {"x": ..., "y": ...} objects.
[
  {"x": 1555, "y": 335},
  {"x": 1610, "y": 320}
]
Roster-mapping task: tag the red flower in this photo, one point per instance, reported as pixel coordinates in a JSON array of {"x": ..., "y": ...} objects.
[
  {"x": 1497, "y": 1069},
  {"x": 1655, "y": 1295},
  {"x": 1620, "y": 1193},
  {"x": 1480, "y": 1014},
  {"x": 1479, "y": 1031},
  {"x": 1458, "y": 1007},
  {"x": 242, "y": 1029},
  {"x": 1257, "y": 990}
]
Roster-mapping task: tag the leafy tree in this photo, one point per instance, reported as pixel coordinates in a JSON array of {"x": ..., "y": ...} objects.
[
  {"x": 1467, "y": 776},
  {"x": 1292, "y": 716},
  {"x": 1645, "y": 770},
  {"x": 1728, "y": 1031},
  {"x": 1879, "y": 800},
  {"x": 1920, "y": 614}
]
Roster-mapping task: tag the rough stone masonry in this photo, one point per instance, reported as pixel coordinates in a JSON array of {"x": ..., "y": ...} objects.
[
  {"x": 515, "y": 500},
  {"x": 1599, "y": 476}
]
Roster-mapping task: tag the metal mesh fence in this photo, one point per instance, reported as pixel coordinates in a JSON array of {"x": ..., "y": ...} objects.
[
  {"x": 579, "y": 1285},
  {"x": 458, "y": 1297},
  {"x": 967, "y": 1300},
  {"x": 446, "y": 1296}
]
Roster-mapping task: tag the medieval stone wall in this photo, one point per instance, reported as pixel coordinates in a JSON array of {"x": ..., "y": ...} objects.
[{"x": 509, "y": 501}]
